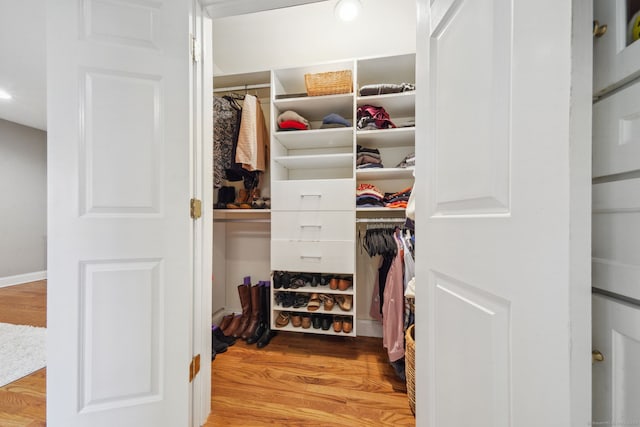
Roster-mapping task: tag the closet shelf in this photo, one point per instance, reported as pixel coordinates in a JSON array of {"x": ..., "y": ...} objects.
[
  {"x": 315, "y": 138},
  {"x": 317, "y": 289},
  {"x": 381, "y": 138},
  {"x": 379, "y": 212},
  {"x": 396, "y": 104},
  {"x": 340, "y": 160},
  {"x": 311, "y": 330},
  {"x": 384, "y": 173},
  {"x": 314, "y": 108}
]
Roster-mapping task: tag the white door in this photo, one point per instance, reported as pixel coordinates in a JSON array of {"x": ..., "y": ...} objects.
[
  {"x": 120, "y": 235},
  {"x": 502, "y": 206},
  {"x": 616, "y": 376}
]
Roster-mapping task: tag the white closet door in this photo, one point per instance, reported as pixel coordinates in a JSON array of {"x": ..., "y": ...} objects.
[
  {"x": 120, "y": 236},
  {"x": 503, "y": 178}
]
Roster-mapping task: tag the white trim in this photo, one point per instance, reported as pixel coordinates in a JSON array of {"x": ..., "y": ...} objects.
[
  {"x": 369, "y": 328},
  {"x": 22, "y": 278}
]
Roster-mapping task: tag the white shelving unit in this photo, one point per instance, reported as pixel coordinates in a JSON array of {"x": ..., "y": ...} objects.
[{"x": 314, "y": 175}]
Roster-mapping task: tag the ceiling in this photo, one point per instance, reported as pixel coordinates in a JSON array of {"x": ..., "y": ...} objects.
[{"x": 23, "y": 50}]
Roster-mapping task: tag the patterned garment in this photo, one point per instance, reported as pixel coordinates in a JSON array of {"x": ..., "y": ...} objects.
[{"x": 225, "y": 131}]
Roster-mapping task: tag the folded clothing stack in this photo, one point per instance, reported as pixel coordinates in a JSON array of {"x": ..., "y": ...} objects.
[
  {"x": 290, "y": 120},
  {"x": 398, "y": 199},
  {"x": 371, "y": 117},
  {"x": 368, "y": 195},
  {"x": 384, "y": 88},
  {"x": 368, "y": 158},
  {"x": 334, "y": 120}
]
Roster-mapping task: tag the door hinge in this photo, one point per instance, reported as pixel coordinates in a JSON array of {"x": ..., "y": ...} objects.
[
  {"x": 194, "y": 367},
  {"x": 195, "y": 49},
  {"x": 196, "y": 208}
]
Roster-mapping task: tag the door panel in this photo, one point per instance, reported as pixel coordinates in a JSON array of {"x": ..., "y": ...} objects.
[
  {"x": 503, "y": 200},
  {"x": 471, "y": 163},
  {"x": 120, "y": 237}
]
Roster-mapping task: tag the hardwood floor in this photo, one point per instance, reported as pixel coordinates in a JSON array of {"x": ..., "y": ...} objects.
[
  {"x": 297, "y": 380},
  {"x": 307, "y": 380},
  {"x": 23, "y": 402}
]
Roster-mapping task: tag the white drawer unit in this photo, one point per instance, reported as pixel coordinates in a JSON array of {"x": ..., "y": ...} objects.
[
  {"x": 616, "y": 133},
  {"x": 313, "y": 225},
  {"x": 319, "y": 257},
  {"x": 616, "y": 237},
  {"x": 615, "y": 59},
  {"x": 313, "y": 195},
  {"x": 616, "y": 371}
]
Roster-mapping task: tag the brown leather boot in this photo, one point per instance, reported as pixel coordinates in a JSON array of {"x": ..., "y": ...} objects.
[
  {"x": 256, "y": 303},
  {"x": 225, "y": 322},
  {"x": 244, "y": 291}
]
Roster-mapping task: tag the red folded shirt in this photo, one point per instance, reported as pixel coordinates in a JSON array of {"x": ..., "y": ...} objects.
[{"x": 292, "y": 124}]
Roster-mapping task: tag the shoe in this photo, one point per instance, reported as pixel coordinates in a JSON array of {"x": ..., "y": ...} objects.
[
  {"x": 316, "y": 321},
  {"x": 333, "y": 283},
  {"x": 344, "y": 284},
  {"x": 306, "y": 320},
  {"x": 218, "y": 346},
  {"x": 266, "y": 337},
  {"x": 233, "y": 325},
  {"x": 337, "y": 324},
  {"x": 344, "y": 301},
  {"x": 220, "y": 336},
  {"x": 300, "y": 300},
  {"x": 324, "y": 280},
  {"x": 326, "y": 322},
  {"x": 314, "y": 302},
  {"x": 244, "y": 292},
  {"x": 328, "y": 301},
  {"x": 285, "y": 279},
  {"x": 347, "y": 325},
  {"x": 283, "y": 319},
  {"x": 296, "y": 320},
  {"x": 226, "y": 320},
  {"x": 267, "y": 333},
  {"x": 256, "y": 306},
  {"x": 277, "y": 279}
]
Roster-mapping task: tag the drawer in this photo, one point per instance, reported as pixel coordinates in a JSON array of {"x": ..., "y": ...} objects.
[
  {"x": 616, "y": 237},
  {"x": 313, "y": 195},
  {"x": 313, "y": 225},
  {"x": 318, "y": 257},
  {"x": 616, "y": 133}
]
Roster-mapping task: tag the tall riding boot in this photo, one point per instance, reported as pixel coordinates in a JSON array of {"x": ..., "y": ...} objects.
[
  {"x": 244, "y": 291},
  {"x": 256, "y": 309},
  {"x": 263, "y": 318},
  {"x": 266, "y": 309}
]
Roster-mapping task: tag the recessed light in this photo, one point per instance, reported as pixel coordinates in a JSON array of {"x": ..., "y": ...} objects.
[
  {"x": 348, "y": 10},
  {"x": 4, "y": 94}
]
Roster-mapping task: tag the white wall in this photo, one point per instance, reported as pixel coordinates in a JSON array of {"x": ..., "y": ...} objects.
[
  {"x": 310, "y": 34},
  {"x": 23, "y": 207}
]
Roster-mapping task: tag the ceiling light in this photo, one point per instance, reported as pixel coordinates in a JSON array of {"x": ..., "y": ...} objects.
[
  {"x": 4, "y": 94},
  {"x": 348, "y": 10}
]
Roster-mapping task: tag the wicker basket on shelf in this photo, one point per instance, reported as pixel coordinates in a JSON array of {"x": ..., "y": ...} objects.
[
  {"x": 410, "y": 367},
  {"x": 329, "y": 83}
]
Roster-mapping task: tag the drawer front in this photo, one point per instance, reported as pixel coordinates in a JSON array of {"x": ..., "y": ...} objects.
[
  {"x": 313, "y": 225},
  {"x": 616, "y": 133},
  {"x": 616, "y": 237},
  {"x": 313, "y": 195},
  {"x": 319, "y": 257}
]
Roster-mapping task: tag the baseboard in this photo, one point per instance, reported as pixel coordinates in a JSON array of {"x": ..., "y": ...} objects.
[
  {"x": 368, "y": 328},
  {"x": 19, "y": 279}
]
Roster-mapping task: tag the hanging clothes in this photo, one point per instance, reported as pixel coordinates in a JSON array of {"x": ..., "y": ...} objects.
[
  {"x": 393, "y": 308},
  {"x": 226, "y": 122},
  {"x": 253, "y": 139}
]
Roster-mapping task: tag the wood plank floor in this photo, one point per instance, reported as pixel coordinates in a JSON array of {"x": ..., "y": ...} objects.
[
  {"x": 23, "y": 402},
  {"x": 297, "y": 380}
]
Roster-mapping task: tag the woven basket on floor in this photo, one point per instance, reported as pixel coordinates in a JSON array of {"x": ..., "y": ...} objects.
[
  {"x": 330, "y": 83},
  {"x": 410, "y": 367}
]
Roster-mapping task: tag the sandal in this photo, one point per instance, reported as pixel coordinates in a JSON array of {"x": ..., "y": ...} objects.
[
  {"x": 344, "y": 301},
  {"x": 314, "y": 302},
  {"x": 328, "y": 302},
  {"x": 283, "y": 319},
  {"x": 300, "y": 300}
]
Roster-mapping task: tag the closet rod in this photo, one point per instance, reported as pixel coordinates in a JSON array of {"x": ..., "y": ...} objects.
[
  {"x": 245, "y": 87},
  {"x": 389, "y": 220}
]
